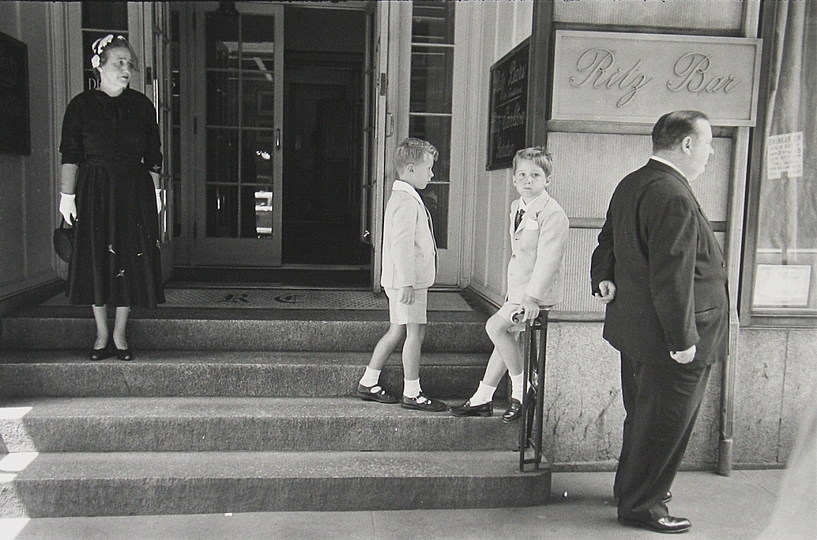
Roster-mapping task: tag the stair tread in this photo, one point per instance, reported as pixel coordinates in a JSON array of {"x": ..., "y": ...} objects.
[
  {"x": 82, "y": 466},
  {"x": 27, "y": 409},
  {"x": 188, "y": 357},
  {"x": 50, "y": 313}
]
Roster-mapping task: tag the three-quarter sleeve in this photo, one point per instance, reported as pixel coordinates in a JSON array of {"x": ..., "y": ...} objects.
[{"x": 71, "y": 146}]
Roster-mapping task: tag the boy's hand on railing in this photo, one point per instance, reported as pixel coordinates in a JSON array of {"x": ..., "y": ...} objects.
[{"x": 529, "y": 308}]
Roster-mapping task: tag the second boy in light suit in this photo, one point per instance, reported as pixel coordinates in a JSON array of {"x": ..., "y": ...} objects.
[
  {"x": 409, "y": 269},
  {"x": 539, "y": 228}
]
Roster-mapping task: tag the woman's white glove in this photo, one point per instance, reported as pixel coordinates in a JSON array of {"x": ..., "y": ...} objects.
[
  {"x": 159, "y": 201},
  {"x": 68, "y": 207}
]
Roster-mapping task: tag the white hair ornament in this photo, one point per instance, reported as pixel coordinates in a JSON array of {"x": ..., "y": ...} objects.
[{"x": 98, "y": 46}]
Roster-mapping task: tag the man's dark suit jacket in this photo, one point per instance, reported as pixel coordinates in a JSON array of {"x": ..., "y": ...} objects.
[{"x": 659, "y": 249}]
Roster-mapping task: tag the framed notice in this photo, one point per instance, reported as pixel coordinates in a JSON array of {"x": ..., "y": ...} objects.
[
  {"x": 508, "y": 107},
  {"x": 636, "y": 78},
  {"x": 15, "y": 134},
  {"x": 782, "y": 285},
  {"x": 784, "y": 154}
]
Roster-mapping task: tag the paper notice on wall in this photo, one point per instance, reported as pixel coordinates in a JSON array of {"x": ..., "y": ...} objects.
[
  {"x": 782, "y": 285},
  {"x": 784, "y": 154}
]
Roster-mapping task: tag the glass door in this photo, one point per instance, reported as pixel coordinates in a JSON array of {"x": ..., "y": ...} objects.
[
  {"x": 424, "y": 107},
  {"x": 376, "y": 131},
  {"x": 237, "y": 133}
]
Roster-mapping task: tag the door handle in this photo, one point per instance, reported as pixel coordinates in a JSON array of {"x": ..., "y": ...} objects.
[
  {"x": 389, "y": 124},
  {"x": 278, "y": 138}
]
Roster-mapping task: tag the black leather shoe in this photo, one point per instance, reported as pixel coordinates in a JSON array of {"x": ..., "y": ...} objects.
[
  {"x": 666, "y": 524},
  {"x": 124, "y": 354},
  {"x": 513, "y": 412},
  {"x": 423, "y": 403},
  {"x": 374, "y": 393},
  {"x": 101, "y": 354},
  {"x": 466, "y": 409},
  {"x": 515, "y": 408}
]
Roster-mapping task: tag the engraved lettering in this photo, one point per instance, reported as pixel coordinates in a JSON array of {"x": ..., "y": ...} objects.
[
  {"x": 692, "y": 72},
  {"x": 593, "y": 61},
  {"x": 598, "y": 64}
]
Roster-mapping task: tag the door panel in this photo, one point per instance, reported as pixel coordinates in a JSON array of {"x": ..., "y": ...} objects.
[
  {"x": 239, "y": 97},
  {"x": 378, "y": 140},
  {"x": 424, "y": 45}
]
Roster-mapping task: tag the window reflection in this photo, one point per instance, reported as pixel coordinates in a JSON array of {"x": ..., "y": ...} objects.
[{"x": 263, "y": 213}]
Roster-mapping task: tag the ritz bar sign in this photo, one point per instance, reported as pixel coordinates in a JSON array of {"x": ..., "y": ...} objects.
[{"x": 635, "y": 78}]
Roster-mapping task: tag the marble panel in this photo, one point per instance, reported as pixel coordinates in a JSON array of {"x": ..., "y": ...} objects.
[{"x": 761, "y": 361}]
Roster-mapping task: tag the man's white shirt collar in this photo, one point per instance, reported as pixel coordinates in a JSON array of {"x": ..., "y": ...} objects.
[
  {"x": 668, "y": 164},
  {"x": 402, "y": 185}
]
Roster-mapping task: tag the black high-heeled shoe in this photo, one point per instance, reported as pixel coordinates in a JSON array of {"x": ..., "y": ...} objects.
[
  {"x": 123, "y": 354},
  {"x": 101, "y": 354}
]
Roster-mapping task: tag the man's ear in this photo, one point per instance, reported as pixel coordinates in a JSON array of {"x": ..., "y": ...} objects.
[{"x": 686, "y": 144}]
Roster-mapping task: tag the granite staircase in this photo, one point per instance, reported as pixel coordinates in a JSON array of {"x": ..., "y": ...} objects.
[{"x": 231, "y": 410}]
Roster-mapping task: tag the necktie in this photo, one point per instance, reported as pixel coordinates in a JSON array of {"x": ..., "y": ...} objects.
[{"x": 518, "y": 219}]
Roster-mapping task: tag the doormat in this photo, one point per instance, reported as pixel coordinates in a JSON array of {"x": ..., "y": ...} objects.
[{"x": 300, "y": 299}]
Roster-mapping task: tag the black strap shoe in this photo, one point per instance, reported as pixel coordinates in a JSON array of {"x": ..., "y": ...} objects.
[
  {"x": 423, "y": 403},
  {"x": 466, "y": 409},
  {"x": 374, "y": 393}
]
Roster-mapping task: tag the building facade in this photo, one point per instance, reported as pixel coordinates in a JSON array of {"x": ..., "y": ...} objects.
[{"x": 278, "y": 120}]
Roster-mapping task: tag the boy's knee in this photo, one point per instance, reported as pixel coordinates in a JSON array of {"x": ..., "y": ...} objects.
[
  {"x": 415, "y": 330},
  {"x": 496, "y": 325},
  {"x": 396, "y": 330}
]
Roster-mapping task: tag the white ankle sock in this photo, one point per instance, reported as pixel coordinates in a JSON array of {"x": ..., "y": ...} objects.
[
  {"x": 371, "y": 377},
  {"x": 517, "y": 386},
  {"x": 484, "y": 394},
  {"x": 411, "y": 389}
]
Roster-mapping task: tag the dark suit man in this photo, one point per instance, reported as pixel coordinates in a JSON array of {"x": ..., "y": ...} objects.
[{"x": 661, "y": 273}]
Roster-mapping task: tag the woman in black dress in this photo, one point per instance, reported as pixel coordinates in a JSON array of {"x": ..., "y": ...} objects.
[{"x": 111, "y": 160}]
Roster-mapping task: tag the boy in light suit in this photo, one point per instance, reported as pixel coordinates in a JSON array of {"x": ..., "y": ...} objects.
[
  {"x": 538, "y": 230},
  {"x": 409, "y": 269}
]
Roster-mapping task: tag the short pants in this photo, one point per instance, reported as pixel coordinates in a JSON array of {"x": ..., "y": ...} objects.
[{"x": 400, "y": 313}]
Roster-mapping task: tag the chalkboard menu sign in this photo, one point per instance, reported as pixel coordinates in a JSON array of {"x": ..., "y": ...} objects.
[
  {"x": 15, "y": 136},
  {"x": 507, "y": 124}
]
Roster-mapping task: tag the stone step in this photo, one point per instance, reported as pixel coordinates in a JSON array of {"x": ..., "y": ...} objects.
[
  {"x": 218, "y": 424},
  {"x": 69, "y": 373},
  {"x": 111, "y": 484},
  {"x": 201, "y": 329}
]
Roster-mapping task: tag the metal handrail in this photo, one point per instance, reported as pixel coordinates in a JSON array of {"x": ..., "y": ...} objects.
[{"x": 532, "y": 421}]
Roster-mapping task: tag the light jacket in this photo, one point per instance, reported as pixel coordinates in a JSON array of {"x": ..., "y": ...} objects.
[
  {"x": 409, "y": 250},
  {"x": 536, "y": 267}
]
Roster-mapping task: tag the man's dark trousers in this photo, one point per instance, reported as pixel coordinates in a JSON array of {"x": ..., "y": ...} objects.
[{"x": 662, "y": 403}]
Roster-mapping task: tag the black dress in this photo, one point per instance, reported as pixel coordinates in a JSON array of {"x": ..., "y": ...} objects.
[{"x": 115, "y": 142}]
